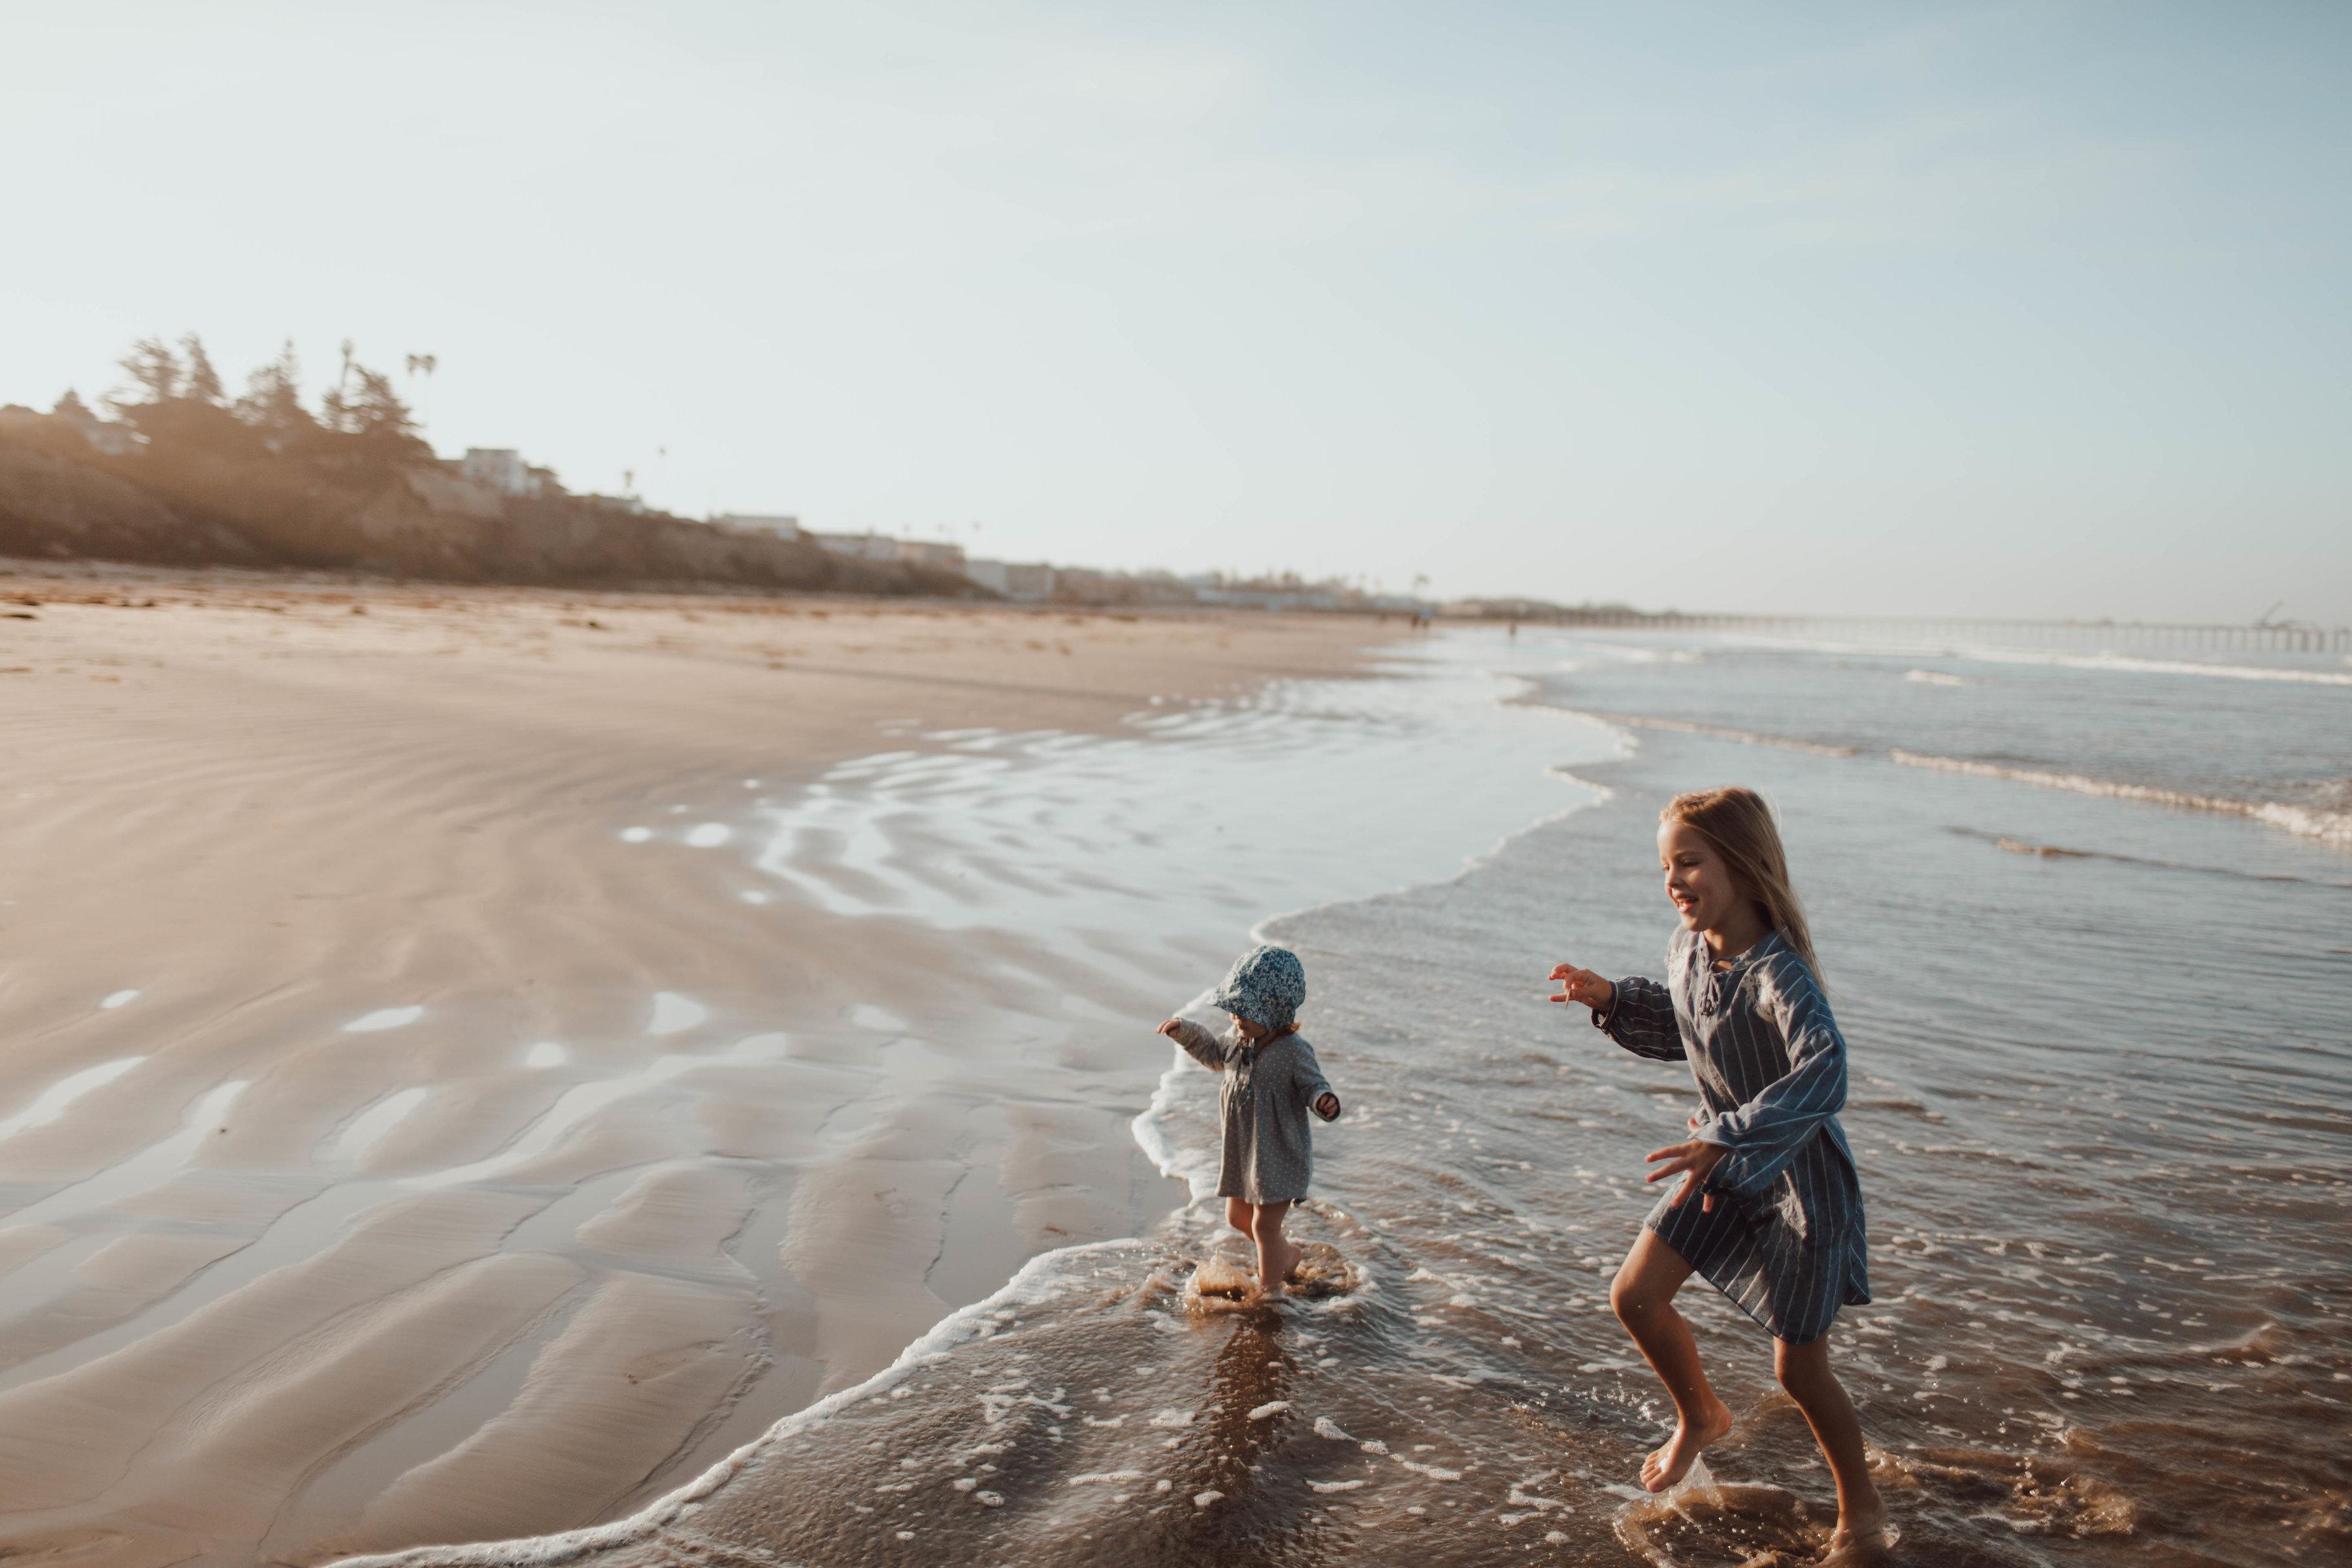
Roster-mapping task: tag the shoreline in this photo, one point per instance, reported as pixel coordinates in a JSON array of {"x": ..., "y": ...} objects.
[{"x": 247, "y": 787}]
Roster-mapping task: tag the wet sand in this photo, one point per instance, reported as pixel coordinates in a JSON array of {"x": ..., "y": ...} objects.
[{"x": 357, "y": 1197}]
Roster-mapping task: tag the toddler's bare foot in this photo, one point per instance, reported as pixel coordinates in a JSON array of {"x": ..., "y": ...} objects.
[
  {"x": 1673, "y": 1462},
  {"x": 1276, "y": 1268}
]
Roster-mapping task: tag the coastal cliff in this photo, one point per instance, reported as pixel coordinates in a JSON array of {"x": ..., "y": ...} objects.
[{"x": 212, "y": 496}]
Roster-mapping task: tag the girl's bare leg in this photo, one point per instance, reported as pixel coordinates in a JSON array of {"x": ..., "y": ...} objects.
[
  {"x": 1804, "y": 1372},
  {"x": 1275, "y": 1254},
  {"x": 1240, "y": 1215},
  {"x": 1644, "y": 1296}
]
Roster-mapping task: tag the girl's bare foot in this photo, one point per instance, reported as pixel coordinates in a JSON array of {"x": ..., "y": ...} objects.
[
  {"x": 1860, "y": 1540},
  {"x": 1670, "y": 1464}
]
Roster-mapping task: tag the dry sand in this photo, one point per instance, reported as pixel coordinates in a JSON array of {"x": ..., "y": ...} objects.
[{"x": 277, "y": 1288}]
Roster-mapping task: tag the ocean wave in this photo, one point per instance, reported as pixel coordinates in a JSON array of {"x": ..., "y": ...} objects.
[
  {"x": 2109, "y": 660},
  {"x": 1745, "y": 737},
  {"x": 2060, "y": 852},
  {"x": 2136, "y": 664},
  {"x": 2310, "y": 822},
  {"x": 2325, "y": 824}
]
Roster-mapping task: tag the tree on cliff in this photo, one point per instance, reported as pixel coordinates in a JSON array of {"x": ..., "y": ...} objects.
[
  {"x": 363, "y": 404},
  {"x": 175, "y": 401},
  {"x": 154, "y": 370},
  {"x": 272, "y": 403},
  {"x": 202, "y": 382},
  {"x": 174, "y": 397}
]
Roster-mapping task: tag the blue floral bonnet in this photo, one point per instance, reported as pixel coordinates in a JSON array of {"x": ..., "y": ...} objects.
[{"x": 1266, "y": 986}]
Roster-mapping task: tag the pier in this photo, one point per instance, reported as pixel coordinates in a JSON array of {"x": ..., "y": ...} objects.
[{"x": 2254, "y": 638}]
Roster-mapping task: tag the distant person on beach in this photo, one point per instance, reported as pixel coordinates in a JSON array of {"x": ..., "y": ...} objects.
[
  {"x": 1769, "y": 1208},
  {"x": 1272, "y": 1080}
]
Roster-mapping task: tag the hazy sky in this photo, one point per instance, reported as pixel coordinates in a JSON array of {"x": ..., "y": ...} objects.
[{"x": 2026, "y": 309}]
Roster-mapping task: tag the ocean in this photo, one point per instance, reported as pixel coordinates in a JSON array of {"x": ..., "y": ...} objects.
[{"x": 2085, "y": 918}]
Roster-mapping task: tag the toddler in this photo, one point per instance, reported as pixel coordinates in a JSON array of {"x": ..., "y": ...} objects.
[{"x": 1272, "y": 1080}]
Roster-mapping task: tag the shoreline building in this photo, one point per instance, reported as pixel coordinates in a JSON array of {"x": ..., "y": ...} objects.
[
  {"x": 774, "y": 525},
  {"x": 940, "y": 557},
  {"x": 859, "y": 546},
  {"x": 1028, "y": 581},
  {"x": 1014, "y": 579},
  {"x": 501, "y": 468}
]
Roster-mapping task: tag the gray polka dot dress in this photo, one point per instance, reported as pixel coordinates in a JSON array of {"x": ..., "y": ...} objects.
[
  {"x": 1785, "y": 1240},
  {"x": 1269, "y": 1092}
]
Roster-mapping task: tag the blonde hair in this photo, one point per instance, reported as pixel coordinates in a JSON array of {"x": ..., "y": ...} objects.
[{"x": 1738, "y": 824}]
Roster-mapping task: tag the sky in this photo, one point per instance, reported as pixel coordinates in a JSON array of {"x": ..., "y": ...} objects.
[{"x": 2033, "y": 309}]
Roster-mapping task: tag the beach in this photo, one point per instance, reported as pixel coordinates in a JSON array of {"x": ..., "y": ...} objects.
[
  {"x": 351, "y": 934},
  {"x": 475, "y": 1108}
]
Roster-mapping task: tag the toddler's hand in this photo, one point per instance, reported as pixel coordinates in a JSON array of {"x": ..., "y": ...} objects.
[
  {"x": 1171, "y": 1026},
  {"x": 1583, "y": 986},
  {"x": 1326, "y": 1106}
]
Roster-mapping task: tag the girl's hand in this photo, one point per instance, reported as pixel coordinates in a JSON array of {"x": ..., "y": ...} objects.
[
  {"x": 1327, "y": 1106},
  {"x": 1691, "y": 1162},
  {"x": 1583, "y": 986},
  {"x": 1171, "y": 1026}
]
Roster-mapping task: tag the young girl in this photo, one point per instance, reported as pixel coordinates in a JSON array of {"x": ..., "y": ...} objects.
[
  {"x": 1271, "y": 1079},
  {"x": 1769, "y": 1208}
]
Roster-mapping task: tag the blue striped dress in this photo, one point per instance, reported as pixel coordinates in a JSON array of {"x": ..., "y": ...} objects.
[{"x": 1785, "y": 1240}]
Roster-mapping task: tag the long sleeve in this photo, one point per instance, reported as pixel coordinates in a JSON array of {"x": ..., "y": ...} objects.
[
  {"x": 1766, "y": 1132},
  {"x": 1308, "y": 1079},
  {"x": 1201, "y": 1045},
  {"x": 1641, "y": 1017}
]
